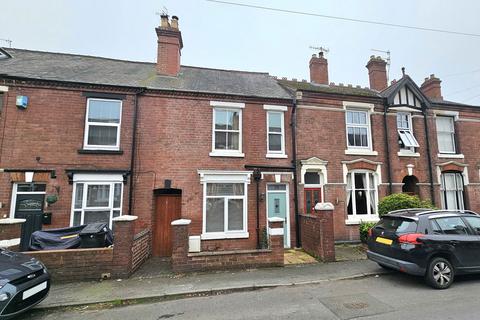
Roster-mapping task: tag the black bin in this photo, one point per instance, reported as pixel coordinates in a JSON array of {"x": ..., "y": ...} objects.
[{"x": 94, "y": 235}]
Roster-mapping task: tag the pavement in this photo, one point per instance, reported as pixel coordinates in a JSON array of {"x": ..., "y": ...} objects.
[{"x": 153, "y": 284}]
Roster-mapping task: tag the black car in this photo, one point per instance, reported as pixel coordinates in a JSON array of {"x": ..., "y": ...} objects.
[
  {"x": 435, "y": 244},
  {"x": 24, "y": 282}
]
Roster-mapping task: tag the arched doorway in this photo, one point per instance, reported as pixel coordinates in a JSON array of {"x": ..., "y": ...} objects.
[{"x": 410, "y": 185}]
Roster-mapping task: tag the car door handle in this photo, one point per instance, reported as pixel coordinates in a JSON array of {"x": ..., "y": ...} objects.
[{"x": 455, "y": 242}]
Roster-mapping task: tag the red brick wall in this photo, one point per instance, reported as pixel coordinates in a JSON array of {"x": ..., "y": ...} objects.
[
  {"x": 141, "y": 248},
  {"x": 317, "y": 235},
  {"x": 76, "y": 264},
  {"x": 181, "y": 146},
  {"x": 48, "y": 135},
  {"x": 182, "y": 261}
]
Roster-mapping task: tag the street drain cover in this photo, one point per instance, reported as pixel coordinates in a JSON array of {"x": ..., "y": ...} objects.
[{"x": 353, "y": 306}]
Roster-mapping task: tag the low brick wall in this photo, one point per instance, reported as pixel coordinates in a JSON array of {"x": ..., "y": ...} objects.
[
  {"x": 183, "y": 261},
  {"x": 127, "y": 254},
  {"x": 141, "y": 248},
  {"x": 76, "y": 264},
  {"x": 317, "y": 234}
]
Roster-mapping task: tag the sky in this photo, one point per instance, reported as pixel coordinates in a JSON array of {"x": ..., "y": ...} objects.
[{"x": 230, "y": 37}]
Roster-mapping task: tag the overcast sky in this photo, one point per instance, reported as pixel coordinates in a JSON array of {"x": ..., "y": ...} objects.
[{"x": 229, "y": 37}]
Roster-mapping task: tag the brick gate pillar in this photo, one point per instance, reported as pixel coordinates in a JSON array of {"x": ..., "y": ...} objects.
[
  {"x": 180, "y": 231},
  {"x": 10, "y": 233},
  {"x": 124, "y": 231},
  {"x": 276, "y": 233},
  {"x": 325, "y": 215}
]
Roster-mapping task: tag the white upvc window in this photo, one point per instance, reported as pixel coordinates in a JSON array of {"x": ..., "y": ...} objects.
[
  {"x": 358, "y": 129},
  {"x": 102, "y": 124},
  {"x": 225, "y": 205},
  {"x": 362, "y": 195},
  {"x": 446, "y": 134},
  {"x": 275, "y": 133},
  {"x": 96, "y": 198},
  {"x": 405, "y": 131},
  {"x": 227, "y": 129},
  {"x": 452, "y": 191}
]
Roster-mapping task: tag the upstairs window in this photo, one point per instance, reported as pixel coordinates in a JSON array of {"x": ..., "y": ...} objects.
[
  {"x": 276, "y": 134},
  {"x": 405, "y": 132},
  {"x": 358, "y": 129},
  {"x": 227, "y": 131},
  {"x": 446, "y": 134},
  {"x": 102, "y": 129}
]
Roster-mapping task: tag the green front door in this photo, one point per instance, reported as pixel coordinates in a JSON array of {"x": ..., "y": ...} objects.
[{"x": 277, "y": 207}]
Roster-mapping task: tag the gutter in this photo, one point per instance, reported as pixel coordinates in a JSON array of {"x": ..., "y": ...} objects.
[
  {"x": 429, "y": 155},
  {"x": 134, "y": 147},
  {"x": 387, "y": 148}
]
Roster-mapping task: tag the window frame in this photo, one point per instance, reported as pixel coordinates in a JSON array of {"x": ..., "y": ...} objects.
[
  {"x": 15, "y": 192},
  {"x": 354, "y": 217},
  {"x": 369, "y": 146},
  {"x": 281, "y": 152},
  {"x": 452, "y": 134},
  {"x": 96, "y": 179},
  {"x": 406, "y": 133},
  {"x": 87, "y": 146},
  {"x": 460, "y": 200},
  {"x": 213, "y": 176},
  {"x": 233, "y": 107}
]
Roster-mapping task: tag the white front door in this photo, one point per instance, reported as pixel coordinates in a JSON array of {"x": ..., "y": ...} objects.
[{"x": 277, "y": 206}]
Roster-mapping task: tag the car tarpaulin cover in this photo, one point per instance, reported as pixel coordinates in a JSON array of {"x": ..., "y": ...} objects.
[{"x": 63, "y": 238}]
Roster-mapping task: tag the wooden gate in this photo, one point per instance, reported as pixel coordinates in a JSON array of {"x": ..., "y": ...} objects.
[{"x": 167, "y": 209}]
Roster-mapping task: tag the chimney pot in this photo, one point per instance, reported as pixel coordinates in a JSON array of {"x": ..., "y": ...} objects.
[
  {"x": 377, "y": 73},
  {"x": 164, "y": 21},
  {"x": 174, "y": 22}
]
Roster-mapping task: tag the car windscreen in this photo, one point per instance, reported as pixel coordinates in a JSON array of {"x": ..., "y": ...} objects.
[{"x": 397, "y": 225}]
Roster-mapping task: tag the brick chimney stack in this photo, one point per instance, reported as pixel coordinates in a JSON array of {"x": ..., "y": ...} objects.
[
  {"x": 377, "y": 72},
  {"x": 169, "y": 46},
  {"x": 319, "y": 69},
  {"x": 431, "y": 87}
]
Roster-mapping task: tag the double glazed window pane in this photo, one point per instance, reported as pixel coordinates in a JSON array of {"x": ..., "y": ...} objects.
[
  {"x": 274, "y": 142},
  {"x": 227, "y": 120},
  {"x": 104, "y": 111},
  {"x": 275, "y": 122},
  {"x": 78, "y": 196},
  {"x": 446, "y": 134},
  {"x": 357, "y": 137},
  {"x": 356, "y": 117},
  {"x": 215, "y": 215},
  {"x": 403, "y": 121},
  {"x": 98, "y": 195},
  {"x": 225, "y": 189},
  {"x": 117, "y": 195},
  {"x": 312, "y": 178},
  {"x": 102, "y": 135},
  {"x": 96, "y": 216},
  {"x": 235, "y": 214}
]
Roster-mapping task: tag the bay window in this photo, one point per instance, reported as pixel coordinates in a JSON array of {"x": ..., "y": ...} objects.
[
  {"x": 452, "y": 191},
  {"x": 96, "y": 198},
  {"x": 362, "y": 195}
]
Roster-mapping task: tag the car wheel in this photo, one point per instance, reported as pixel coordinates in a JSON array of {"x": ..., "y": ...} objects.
[{"x": 440, "y": 273}]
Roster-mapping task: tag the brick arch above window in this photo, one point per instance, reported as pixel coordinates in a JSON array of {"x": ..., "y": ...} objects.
[
  {"x": 362, "y": 164},
  {"x": 453, "y": 166}
]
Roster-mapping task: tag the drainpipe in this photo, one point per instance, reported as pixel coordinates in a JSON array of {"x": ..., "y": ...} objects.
[
  {"x": 134, "y": 147},
  {"x": 294, "y": 166},
  {"x": 257, "y": 176},
  {"x": 429, "y": 156},
  {"x": 387, "y": 148}
]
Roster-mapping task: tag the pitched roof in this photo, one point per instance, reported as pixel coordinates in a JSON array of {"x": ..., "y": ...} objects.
[
  {"x": 105, "y": 71},
  {"x": 324, "y": 88}
]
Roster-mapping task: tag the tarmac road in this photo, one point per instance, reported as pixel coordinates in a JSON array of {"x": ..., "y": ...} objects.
[{"x": 392, "y": 296}]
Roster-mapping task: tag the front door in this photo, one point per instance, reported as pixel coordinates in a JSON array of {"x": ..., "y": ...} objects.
[
  {"x": 277, "y": 206},
  {"x": 28, "y": 203},
  {"x": 167, "y": 209}
]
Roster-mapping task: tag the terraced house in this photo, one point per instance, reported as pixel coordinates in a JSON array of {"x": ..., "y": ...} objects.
[{"x": 86, "y": 139}]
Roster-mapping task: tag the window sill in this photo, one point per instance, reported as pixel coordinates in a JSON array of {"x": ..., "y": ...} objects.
[
  {"x": 408, "y": 154},
  {"x": 99, "y": 151},
  {"x": 227, "y": 154},
  {"x": 223, "y": 235},
  {"x": 451, "y": 156},
  {"x": 276, "y": 156},
  {"x": 350, "y": 222},
  {"x": 361, "y": 152}
]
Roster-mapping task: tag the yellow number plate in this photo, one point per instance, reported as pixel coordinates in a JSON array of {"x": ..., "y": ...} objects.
[{"x": 384, "y": 241}]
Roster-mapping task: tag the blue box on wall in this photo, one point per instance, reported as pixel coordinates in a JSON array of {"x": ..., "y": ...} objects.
[{"x": 22, "y": 102}]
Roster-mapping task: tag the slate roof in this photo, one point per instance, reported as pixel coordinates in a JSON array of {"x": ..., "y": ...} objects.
[
  {"x": 105, "y": 71},
  {"x": 335, "y": 89}
]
